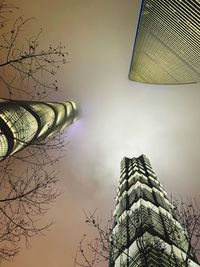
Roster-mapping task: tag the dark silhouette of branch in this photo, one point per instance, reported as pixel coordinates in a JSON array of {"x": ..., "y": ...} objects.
[
  {"x": 188, "y": 213},
  {"x": 26, "y": 69},
  {"x": 28, "y": 185},
  {"x": 46, "y": 152},
  {"x": 92, "y": 253},
  {"x": 27, "y": 181},
  {"x": 108, "y": 244},
  {"x": 25, "y": 197}
]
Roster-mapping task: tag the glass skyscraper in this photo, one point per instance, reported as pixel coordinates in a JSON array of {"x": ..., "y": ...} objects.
[
  {"x": 146, "y": 232},
  {"x": 167, "y": 46},
  {"x": 26, "y": 122}
]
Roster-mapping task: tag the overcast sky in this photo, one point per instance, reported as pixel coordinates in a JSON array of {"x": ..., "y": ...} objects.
[{"x": 118, "y": 118}]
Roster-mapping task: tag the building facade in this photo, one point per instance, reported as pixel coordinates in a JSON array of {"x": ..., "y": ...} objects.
[
  {"x": 25, "y": 122},
  {"x": 146, "y": 232},
  {"x": 167, "y": 47}
]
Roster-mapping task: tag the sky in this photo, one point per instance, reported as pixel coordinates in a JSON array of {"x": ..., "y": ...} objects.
[{"x": 118, "y": 118}]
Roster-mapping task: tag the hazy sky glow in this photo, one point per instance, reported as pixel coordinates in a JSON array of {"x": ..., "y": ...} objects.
[{"x": 118, "y": 118}]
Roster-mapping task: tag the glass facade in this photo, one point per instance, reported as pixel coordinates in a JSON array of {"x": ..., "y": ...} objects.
[
  {"x": 3, "y": 145},
  {"x": 46, "y": 115},
  {"x": 145, "y": 232},
  {"x": 167, "y": 47},
  {"x": 60, "y": 118},
  {"x": 23, "y": 123}
]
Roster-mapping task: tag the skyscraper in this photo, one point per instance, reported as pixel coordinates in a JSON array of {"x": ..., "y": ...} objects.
[
  {"x": 167, "y": 47},
  {"x": 146, "y": 232},
  {"x": 26, "y": 122}
]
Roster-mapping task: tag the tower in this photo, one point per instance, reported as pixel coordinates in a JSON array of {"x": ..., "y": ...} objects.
[
  {"x": 167, "y": 47},
  {"x": 26, "y": 122},
  {"x": 146, "y": 232}
]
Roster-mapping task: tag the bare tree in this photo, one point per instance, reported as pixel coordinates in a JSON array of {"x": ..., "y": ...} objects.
[
  {"x": 188, "y": 213},
  {"x": 27, "y": 180},
  {"x": 93, "y": 253},
  {"x": 28, "y": 184},
  {"x": 107, "y": 245},
  {"x": 25, "y": 196},
  {"x": 26, "y": 70}
]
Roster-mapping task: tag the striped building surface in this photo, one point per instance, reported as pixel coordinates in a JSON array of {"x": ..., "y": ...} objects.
[
  {"x": 167, "y": 44},
  {"x": 24, "y": 122},
  {"x": 146, "y": 232}
]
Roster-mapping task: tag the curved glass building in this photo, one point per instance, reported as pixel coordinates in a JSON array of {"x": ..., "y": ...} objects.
[
  {"x": 167, "y": 44},
  {"x": 25, "y": 122}
]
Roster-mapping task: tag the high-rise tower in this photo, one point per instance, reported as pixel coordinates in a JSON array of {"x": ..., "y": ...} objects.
[
  {"x": 167, "y": 47},
  {"x": 146, "y": 232},
  {"x": 26, "y": 122}
]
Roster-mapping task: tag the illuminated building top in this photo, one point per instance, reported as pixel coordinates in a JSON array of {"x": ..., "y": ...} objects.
[{"x": 167, "y": 44}]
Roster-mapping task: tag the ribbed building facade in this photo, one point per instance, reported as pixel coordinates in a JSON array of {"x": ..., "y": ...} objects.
[
  {"x": 146, "y": 232},
  {"x": 167, "y": 46},
  {"x": 24, "y": 122}
]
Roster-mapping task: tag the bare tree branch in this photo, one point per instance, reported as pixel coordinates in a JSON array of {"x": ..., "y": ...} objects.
[
  {"x": 107, "y": 244},
  {"x": 27, "y": 181},
  {"x": 27, "y": 70},
  {"x": 25, "y": 196}
]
